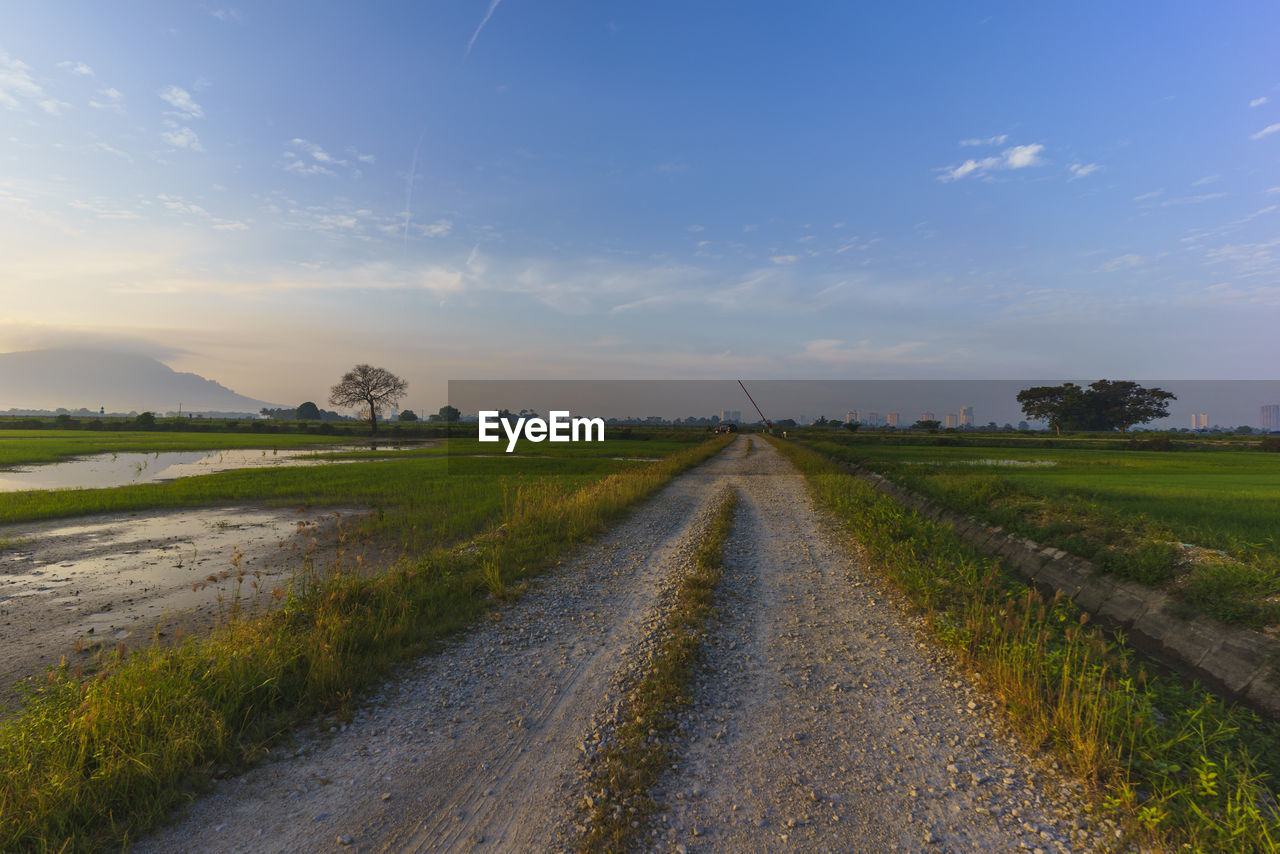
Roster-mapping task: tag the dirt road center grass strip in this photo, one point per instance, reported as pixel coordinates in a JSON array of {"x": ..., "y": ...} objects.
[
  {"x": 90, "y": 763},
  {"x": 1175, "y": 764},
  {"x": 640, "y": 750}
]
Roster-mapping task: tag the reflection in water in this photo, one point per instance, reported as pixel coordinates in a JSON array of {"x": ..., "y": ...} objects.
[{"x": 123, "y": 469}]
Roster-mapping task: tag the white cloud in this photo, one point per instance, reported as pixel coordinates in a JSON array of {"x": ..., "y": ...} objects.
[
  {"x": 1121, "y": 262},
  {"x": 1080, "y": 170},
  {"x": 177, "y": 205},
  {"x": 183, "y": 137},
  {"x": 1207, "y": 179},
  {"x": 1258, "y": 102},
  {"x": 991, "y": 140},
  {"x": 784, "y": 259},
  {"x": 1145, "y": 196},
  {"x": 300, "y": 167},
  {"x": 227, "y": 16},
  {"x": 317, "y": 153},
  {"x": 77, "y": 68},
  {"x": 696, "y": 228},
  {"x": 1191, "y": 200},
  {"x": 108, "y": 99},
  {"x": 439, "y": 228},
  {"x": 102, "y": 213},
  {"x": 1267, "y": 131},
  {"x": 17, "y": 84},
  {"x": 229, "y": 225},
  {"x": 180, "y": 100},
  {"x": 1017, "y": 157},
  {"x": 362, "y": 158},
  {"x": 53, "y": 106}
]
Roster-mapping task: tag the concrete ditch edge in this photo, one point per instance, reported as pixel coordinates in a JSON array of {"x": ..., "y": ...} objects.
[{"x": 1241, "y": 664}]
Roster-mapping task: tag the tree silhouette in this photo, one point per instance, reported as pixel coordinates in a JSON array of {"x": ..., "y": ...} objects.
[{"x": 365, "y": 385}]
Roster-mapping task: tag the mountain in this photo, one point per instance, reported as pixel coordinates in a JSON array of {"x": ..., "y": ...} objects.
[{"x": 49, "y": 379}]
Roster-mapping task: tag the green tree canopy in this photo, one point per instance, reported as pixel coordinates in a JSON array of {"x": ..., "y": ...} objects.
[
  {"x": 308, "y": 412},
  {"x": 1104, "y": 405}
]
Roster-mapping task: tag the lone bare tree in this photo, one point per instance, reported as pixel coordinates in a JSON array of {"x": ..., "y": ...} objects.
[{"x": 365, "y": 385}]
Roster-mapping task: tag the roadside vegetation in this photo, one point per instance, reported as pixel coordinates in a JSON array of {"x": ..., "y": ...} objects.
[
  {"x": 92, "y": 759},
  {"x": 1199, "y": 523},
  {"x": 1174, "y": 763},
  {"x": 640, "y": 748}
]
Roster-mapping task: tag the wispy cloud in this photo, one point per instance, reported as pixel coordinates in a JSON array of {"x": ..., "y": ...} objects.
[
  {"x": 1258, "y": 102},
  {"x": 1191, "y": 200},
  {"x": 1207, "y": 179},
  {"x": 317, "y": 152},
  {"x": 182, "y": 137},
  {"x": 784, "y": 259},
  {"x": 1267, "y": 131},
  {"x": 320, "y": 161},
  {"x": 1080, "y": 170},
  {"x": 181, "y": 101},
  {"x": 108, "y": 99},
  {"x": 76, "y": 68},
  {"x": 1121, "y": 262},
  {"x": 439, "y": 228},
  {"x": 991, "y": 140},
  {"x": 362, "y": 158},
  {"x": 102, "y": 212},
  {"x": 295, "y": 164},
  {"x": 487, "y": 15},
  {"x": 17, "y": 85},
  {"x": 227, "y": 16},
  {"x": 1146, "y": 196},
  {"x": 1017, "y": 157}
]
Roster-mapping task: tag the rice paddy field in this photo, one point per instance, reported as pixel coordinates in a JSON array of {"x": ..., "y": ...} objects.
[
  {"x": 1201, "y": 522},
  {"x": 459, "y": 531}
]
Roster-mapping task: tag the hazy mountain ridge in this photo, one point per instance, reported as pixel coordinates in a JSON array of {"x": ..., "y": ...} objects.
[{"x": 75, "y": 378}]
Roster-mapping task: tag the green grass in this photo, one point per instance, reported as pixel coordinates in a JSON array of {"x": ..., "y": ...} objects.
[
  {"x": 90, "y": 761},
  {"x": 640, "y": 748},
  {"x": 1175, "y": 763},
  {"x": 1124, "y": 509},
  {"x": 20, "y": 447}
]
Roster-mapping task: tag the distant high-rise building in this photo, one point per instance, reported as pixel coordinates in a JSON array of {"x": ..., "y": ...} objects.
[
  {"x": 951, "y": 420},
  {"x": 731, "y": 416},
  {"x": 1271, "y": 417},
  {"x": 966, "y": 416},
  {"x": 891, "y": 419},
  {"x": 1199, "y": 421},
  {"x": 873, "y": 419},
  {"x": 927, "y": 416},
  {"x": 851, "y": 417}
]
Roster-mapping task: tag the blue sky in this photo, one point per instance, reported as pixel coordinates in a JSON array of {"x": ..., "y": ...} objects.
[{"x": 266, "y": 194}]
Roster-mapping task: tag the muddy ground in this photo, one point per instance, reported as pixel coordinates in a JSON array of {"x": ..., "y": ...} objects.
[{"x": 72, "y": 587}]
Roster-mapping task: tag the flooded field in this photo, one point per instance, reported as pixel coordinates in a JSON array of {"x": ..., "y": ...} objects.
[
  {"x": 68, "y": 587},
  {"x": 122, "y": 469}
]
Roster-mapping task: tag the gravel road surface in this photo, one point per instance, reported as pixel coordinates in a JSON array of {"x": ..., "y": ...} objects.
[{"x": 822, "y": 723}]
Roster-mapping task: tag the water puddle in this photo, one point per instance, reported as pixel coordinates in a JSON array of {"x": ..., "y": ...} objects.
[
  {"x": 69, "y": 587},
  {"x": 122, "y": 469},
  {"x": 984, "y": 462}
]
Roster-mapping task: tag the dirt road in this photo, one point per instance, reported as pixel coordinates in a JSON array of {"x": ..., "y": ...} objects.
[{"x": 822, "y": 723}]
